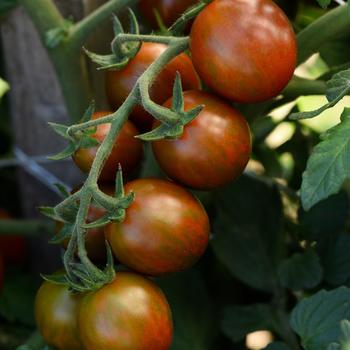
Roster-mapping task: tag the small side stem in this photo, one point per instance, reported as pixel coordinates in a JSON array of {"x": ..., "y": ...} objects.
[{"x": 122, "y": 38}]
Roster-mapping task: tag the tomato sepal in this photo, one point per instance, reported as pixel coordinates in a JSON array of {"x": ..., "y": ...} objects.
[{"x": 57, "y": 278}]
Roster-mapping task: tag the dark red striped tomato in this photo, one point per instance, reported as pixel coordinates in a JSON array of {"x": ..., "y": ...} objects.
[
  {"x": 169, "y": 10},
  {"x": 165, "y": 230},
  {"x": 56, "y": 316},
  {"x": 245, "y": 50},
  {"x": 120, "y": 83},
  {"x": 131, "y": 313},
  {"x": 127, "y": 150},
  {"x": 214, "y": 148}
]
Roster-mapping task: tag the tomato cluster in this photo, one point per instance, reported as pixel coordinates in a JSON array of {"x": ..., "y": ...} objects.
[{"x": 244, "y": 51}]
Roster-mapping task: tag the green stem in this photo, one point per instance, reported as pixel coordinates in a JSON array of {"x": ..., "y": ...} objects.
[
  {"x": 86, "y": 26},
  {"x": 25, "y": 227},
  {"x": 122, "y": 38},
  {"x": 91, "y": 123},
  {"x": 322, "y": 31},
  {"x": 161, "y": 113},
  {"x": 304, "y": 87}
]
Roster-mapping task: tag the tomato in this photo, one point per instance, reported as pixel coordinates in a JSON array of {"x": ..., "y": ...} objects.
[
  {"x": 131, "y": 313},
  {"x": 127, "y": 150},
  {"x": 169, "y": 10},
  {"x": 1, "y": 272},
  {"x": 12, "y": 247},
  {"x": 120, "y": 83},
  {"x": 245, "y": 50},
  {"x": 214, "y": 148},
  {"x": 95, "y": 241},
  {"x": 56, "y": 316},
  {"x": 165, "y": 230}
]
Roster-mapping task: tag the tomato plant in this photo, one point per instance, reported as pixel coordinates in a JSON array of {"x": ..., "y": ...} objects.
[
  {"x": 168, "y": 10},
  {"x": 120, "y": 83},
  {"x": 165, "y": 230},
  {"x": 56, "y": 316},
  {"x": 12, "y": 247},
  {"x": 128, "y": 314},
  {"x": 214, "y": 148},
  {"x": 127, "y": 151},
  {"x": 244, "y": 50}
]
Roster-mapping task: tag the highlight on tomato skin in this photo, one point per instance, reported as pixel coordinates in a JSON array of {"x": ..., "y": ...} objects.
[
  {"x": 168, "y": 10},
  {"x": 214, "y": 148},
  {"x": 56, "y": 316},
  {"x": 120, "y": 83},
  {"x": 127, "y": 150},
  {"x": 128, "y": 314},
  {"x": 255, "y": 61},
  {"x": 166, "y": 229}
]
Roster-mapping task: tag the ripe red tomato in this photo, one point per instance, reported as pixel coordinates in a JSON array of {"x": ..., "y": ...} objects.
[
  {"x": 127, "y": 150},
  {"x": 244, "y": 50},
  {"x": 131, "y": 313},
  {"x": 95, "y": 241},
  {"x": 56, "y": 316},
  {"x": 12, "y": 247},
  {"x": 120, "y": 83},
  {"x": 169, "y": 10},
  {"x": 214, "y": 148},
  {"x": 165, "y": 230},
  {"x": 1, "y": 272}
]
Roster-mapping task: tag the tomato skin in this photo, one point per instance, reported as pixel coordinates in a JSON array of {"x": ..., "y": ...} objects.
[
  {"x": 245, "y": 50},
  {"x": 56, "y": 316},
  {"x": 95, "y": 241},
  {"x": 127, "y": 150},
  {"x": 165, "y": 230},
  {"x": 12, "y": 247},
  {"x": 131, "y": 313},
  {"x": 169, "y": 10},
  {"x": 214, "y": 148},
  {"x": 120, "y": 83}
]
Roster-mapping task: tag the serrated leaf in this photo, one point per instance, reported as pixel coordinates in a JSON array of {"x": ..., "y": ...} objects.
[
  {"x": 326, "y": 217},
  {"x": 163, "y": 131},
  {"x": 238, "y": 320},
  {"x": 336, "y": 259},
  {"x": 66, "y": 153},
  {"x": 278, "y": 345},
  {"x": 329, "y": 164},
  {"x": 317, "y": 319},
  {"x": 301, "y": 271},
  {"x": 235, "y": 233},
  {"x": 337, "y": 88},
  {"x": 178, "y": 97}
]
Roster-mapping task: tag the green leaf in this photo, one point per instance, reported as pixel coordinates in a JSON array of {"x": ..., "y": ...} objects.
[
  {"x": 324, "y": 3},
  {"x": 54, "y": 37},
  {"x": 4, "y": 87},
  {"x": 195, "y": 325},
  {"x": 278, "y": 345},
  {"x": 107, "y": 61},
  {"x": 88, "y": 113},
  {"x": 63, "y": 234},
  {"x": 56, "y": 278},
  {"x": 50, "y": 213},
  {"x": 336, "y": 259},
  {"x": 60, "y": 129},
  {"x": 248, "y": 237},
  {"x": 329, "y": 164},
  {"x": 326, "y": 217},
  {"x": 316, "y": 319},
  {"x": 301, "y": 271},
  {"x": 178, "y": 97},
  {"x": 17, "y": 298},
  {"x": 163, "y": 131},
  {"x": 88, "y": 142},
  {"x": 63, "y": 190},
  {"x": 239, "y": 320},
  {"x": 337, "y": 88}
]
